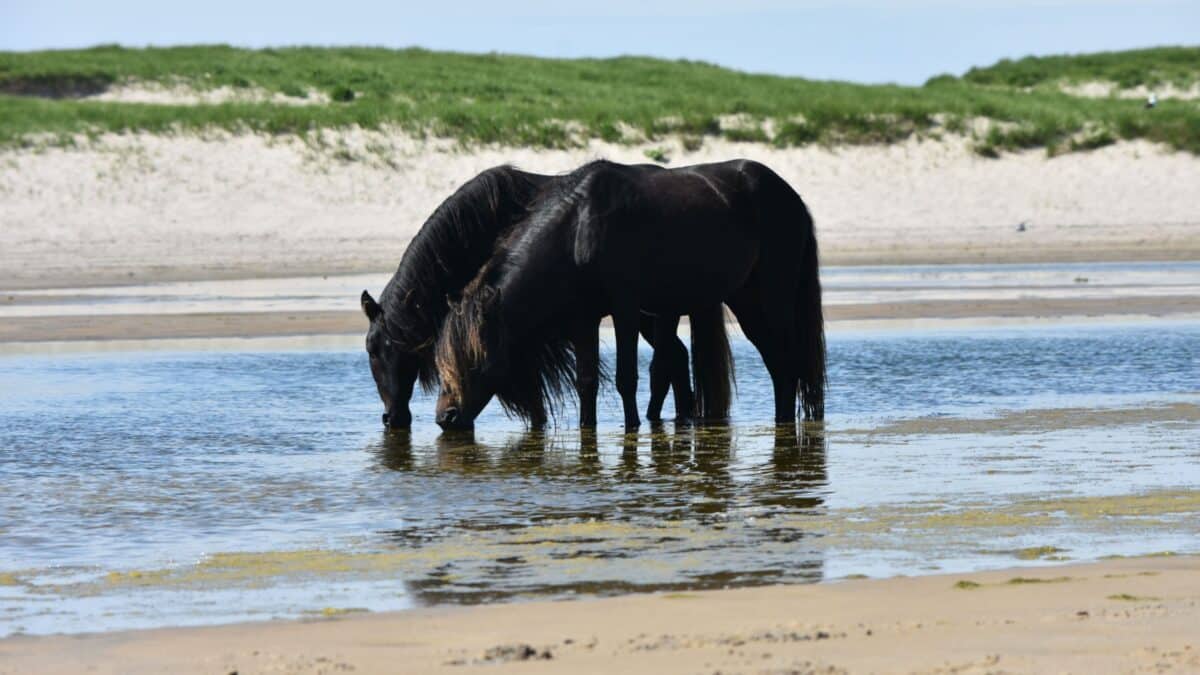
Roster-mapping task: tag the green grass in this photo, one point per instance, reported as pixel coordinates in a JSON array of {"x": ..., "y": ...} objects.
[
  {"x": 1179, "y": 66},
  {"x": 536, "y": 102}
]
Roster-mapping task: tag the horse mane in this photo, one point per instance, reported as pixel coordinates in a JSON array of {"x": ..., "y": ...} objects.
[
  {"x": 541, "y": 372},
  {"x": 446, "y": 253}
]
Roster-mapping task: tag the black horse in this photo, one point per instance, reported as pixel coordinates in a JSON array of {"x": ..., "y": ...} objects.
[
  {"x": 452, "y": 245},
  {"x": 622, "y": 240}
]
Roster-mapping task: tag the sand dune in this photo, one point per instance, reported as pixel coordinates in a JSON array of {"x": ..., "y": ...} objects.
[{"x": 145, "y": 208}]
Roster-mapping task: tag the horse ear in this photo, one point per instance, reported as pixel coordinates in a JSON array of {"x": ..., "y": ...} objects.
[{"x": 370, "y": 307}]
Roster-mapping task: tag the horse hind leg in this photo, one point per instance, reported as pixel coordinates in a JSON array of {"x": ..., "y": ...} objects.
[
  {"x": 660, "y": 381},
  {"x": 681, "y": 381},
  {"x": 772, "y": 332}
]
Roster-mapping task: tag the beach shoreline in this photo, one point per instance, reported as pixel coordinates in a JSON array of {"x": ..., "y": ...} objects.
[
  {"x": 223, "y": 325},
  {"x": 139, "y": 240},
  {"x": 1119, "y": 615},
  {"x": 158, "y": 212}
]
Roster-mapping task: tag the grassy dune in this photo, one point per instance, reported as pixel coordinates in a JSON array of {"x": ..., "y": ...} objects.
[
  {"x": 1178, "y": 66},
  {"x": 556, "y": 102}
]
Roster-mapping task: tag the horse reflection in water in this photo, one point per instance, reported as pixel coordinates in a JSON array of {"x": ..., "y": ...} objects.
[{"x": 703, "y": 498}]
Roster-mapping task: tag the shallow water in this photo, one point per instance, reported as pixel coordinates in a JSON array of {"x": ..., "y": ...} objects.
[{"x": 154, "y": 488}]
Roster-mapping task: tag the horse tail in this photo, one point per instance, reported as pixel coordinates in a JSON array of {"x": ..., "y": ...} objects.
[
  {"x": 810, "y": 325},
  {"x": 712, "y": 364}
]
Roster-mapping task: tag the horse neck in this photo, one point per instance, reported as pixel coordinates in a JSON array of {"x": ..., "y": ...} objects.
[
  {"x": 437, "y": 263},
  {"x": 535, "y": 292}
]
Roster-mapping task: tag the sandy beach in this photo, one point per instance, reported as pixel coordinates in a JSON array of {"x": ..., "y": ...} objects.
[
  {"x": 1117, "y": 616},
  {"x": 159, "y": 212},
  {"x": 153, "y": 238},
  {"x": 143, "y": 208}
]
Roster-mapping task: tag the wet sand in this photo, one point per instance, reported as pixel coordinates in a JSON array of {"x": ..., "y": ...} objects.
[
  {"x": 270, "y": 324},
  {"x": 1125, "y": 615},
  {"x": 853, "y": 296}
]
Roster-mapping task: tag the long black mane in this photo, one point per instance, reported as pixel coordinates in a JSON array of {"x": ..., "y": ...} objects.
[
  {"x": 542, "y": 366},
  {"x": 446, "y": 253}
]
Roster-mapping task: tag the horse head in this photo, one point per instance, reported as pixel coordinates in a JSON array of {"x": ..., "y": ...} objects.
[
  {"x": 471, "y": 358},
  {"x": 394, "y": 368}
]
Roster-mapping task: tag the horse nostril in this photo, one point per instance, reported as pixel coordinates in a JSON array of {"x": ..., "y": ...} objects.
[
  {"x": 449, "y": 415},
  {"x": 385, "y": 419}
]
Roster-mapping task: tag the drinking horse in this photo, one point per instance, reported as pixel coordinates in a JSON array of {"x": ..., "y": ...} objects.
[
  {"x": 451, "y": 246},
  {"x": 622, "y": 241}
]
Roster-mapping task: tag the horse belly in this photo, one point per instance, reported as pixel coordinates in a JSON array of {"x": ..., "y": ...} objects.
[{"x": 684, "y": 280}]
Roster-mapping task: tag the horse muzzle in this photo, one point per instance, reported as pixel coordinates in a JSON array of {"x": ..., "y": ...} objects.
[{"x": 453, "y": 419}]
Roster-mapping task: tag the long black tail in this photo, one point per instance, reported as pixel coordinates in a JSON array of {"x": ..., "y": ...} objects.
[
  {"x": 810, "y": 327},
  {"x": 712, "y": 364}
]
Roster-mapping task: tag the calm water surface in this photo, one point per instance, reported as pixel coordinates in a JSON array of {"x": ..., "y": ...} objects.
[{"x": 153, "y": 488}]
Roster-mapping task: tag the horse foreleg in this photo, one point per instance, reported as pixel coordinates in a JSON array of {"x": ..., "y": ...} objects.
[
  {"x": 587, "y": 370},
  {"x": 625, "y": 325}
]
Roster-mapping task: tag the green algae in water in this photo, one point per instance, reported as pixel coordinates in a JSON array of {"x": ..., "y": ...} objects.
[
  {"x": 1017, "y": 581},
  {"x": 555, "y": 546},
  {"x": 1133, "y": 598},
  {"x": 1156, "y": 554},
  {"x": 680, "y": 596},
  {"x": 1039, "y": 552},
  {"x": 256, "y": 567},
  {"x": 1126, "y": 576},
  {"x": 1165, "y": 502},
  {"x": 1039, "y": 420},
  {"x": 331, "y": 612}
]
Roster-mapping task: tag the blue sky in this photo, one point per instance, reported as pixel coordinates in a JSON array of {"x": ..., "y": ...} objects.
[{"x": 902, "y": 41}]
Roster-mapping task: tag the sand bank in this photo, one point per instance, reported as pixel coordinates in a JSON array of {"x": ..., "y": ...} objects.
[
  {"x": 895, "y": 297},
  {"x": 351, "y": 322},
  {"x": 1129, "y": 615},
  {"x": 143, "y": 208}
]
